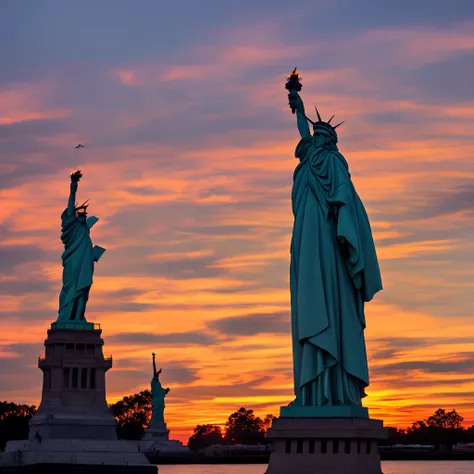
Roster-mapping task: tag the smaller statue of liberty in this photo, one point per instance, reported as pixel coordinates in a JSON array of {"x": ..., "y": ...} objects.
[
  {"x": 78, "y": 257},
  {"x": 158, "y": 394}
]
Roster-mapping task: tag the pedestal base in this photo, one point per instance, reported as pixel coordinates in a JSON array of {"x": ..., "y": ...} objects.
[
  {"x": 325, "y": 446},
  {"x": 156, "y": 440},
  {"x": 79, "y": 455},
  {"x": 73, "y": 403},
  {"x": 157, "y": 432},
  {"x": 327, "y": 411},
  {"x": 73, "y": 426}
]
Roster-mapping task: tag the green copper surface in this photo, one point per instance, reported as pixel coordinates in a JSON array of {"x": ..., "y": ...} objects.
[
  {"x": 326, "y": 411},
  {"x": 334, "y": 271},
  {"x": 158, "y": 394},
  {"x": 78, "y": 259}
]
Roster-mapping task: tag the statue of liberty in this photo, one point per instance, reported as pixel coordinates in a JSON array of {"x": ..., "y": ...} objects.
[
  {"x": 158, "y": 394},
  {"x": 334, "y": 270},
  {"x": 78, "y": 257}
]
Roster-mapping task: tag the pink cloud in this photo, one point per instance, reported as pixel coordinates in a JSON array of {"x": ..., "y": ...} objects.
[{"x": 23, "y": 102}]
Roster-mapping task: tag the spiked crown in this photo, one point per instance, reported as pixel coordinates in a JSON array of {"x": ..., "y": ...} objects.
[
  {"x": 324, "y": 127},
  {"x": 82, "y": 209}
]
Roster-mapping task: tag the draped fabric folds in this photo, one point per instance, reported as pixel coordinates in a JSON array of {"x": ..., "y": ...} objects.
[
  {"x": 78, "y": 267},
  {"x": 158, "y": 394},
  {"x": 333, "y": 272}
]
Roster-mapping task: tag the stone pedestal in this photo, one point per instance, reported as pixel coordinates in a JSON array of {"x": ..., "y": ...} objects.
[
  {"x": 73, "y": 403},
  {"x": 156, "y": 440},
  {"x": 75, "y": 455},
  {"x": 73, "y": 429},
  {"x": 157, "y": 431},
  {"x": 317, "y": 445}
]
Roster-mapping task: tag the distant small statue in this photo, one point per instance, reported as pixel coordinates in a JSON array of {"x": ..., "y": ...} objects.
[
  {"x": 78, "y": 257},
  {"x": 158, "y": 394}
]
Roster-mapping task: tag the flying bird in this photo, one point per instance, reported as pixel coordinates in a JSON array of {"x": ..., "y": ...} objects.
[{"x": 79, "y": 146}]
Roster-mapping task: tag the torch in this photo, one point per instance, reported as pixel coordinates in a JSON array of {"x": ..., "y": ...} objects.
[
  {"x": 76, "y": 176},
  {"x": 293, "y": 84}
]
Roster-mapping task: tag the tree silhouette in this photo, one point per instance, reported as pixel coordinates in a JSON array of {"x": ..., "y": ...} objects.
[
  {"x": 14, "y": 421},
  {"x": 204, "y": 436},
  {"x": 243, "y": 427},
  {"x": 133, "y": 414},
  {"x": 445, "y": 420}
]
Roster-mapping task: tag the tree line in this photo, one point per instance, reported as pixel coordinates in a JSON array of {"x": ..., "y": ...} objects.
[
  {"x": 133, "y": 413},
  {"x": 442, "y": 429}
]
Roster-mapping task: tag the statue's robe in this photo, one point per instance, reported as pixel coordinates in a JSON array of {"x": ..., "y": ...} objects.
[
  {"x": 78, "y": 265},
  {"x": 333, "y": 271},
  {"x": 158, "y": 394}
]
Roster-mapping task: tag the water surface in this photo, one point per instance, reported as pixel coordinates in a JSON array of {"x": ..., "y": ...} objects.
[{"x": 388, "y": 467}]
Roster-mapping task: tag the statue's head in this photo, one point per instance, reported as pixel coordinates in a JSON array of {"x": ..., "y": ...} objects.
[
  {"x": 82, "y": 217},
  {"x": 81, "y": 212},
  {"x": 324, "y": 134}
]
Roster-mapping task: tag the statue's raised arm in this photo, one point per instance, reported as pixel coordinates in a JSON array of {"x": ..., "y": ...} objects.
[
  {"x": 293, "y": 85},
  {"x": 301, "y": 121},
  {"x": 71, "y": 205},
  {"x": 153, "y": 355}
]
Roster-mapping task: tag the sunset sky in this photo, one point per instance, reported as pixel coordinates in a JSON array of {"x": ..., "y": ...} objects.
[{"x": 188, "y": 162}]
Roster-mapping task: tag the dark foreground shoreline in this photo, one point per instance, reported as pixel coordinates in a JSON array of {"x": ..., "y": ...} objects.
[
  {"x": 157, "y": 460},
  {"x": 77, "y": 469}
]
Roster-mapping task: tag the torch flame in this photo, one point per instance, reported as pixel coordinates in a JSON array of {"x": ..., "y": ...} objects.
[{"x": 293, "y": 74}]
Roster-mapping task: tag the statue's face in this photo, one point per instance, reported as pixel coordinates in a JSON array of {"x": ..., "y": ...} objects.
[
  {"x": 82, "y": 218},
  {"x": 319, "y": 139}
]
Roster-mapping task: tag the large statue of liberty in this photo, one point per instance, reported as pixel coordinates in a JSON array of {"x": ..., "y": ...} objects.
[
  {"x": 333, "y": 270},
  {"x": 78, "y": 257}
]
